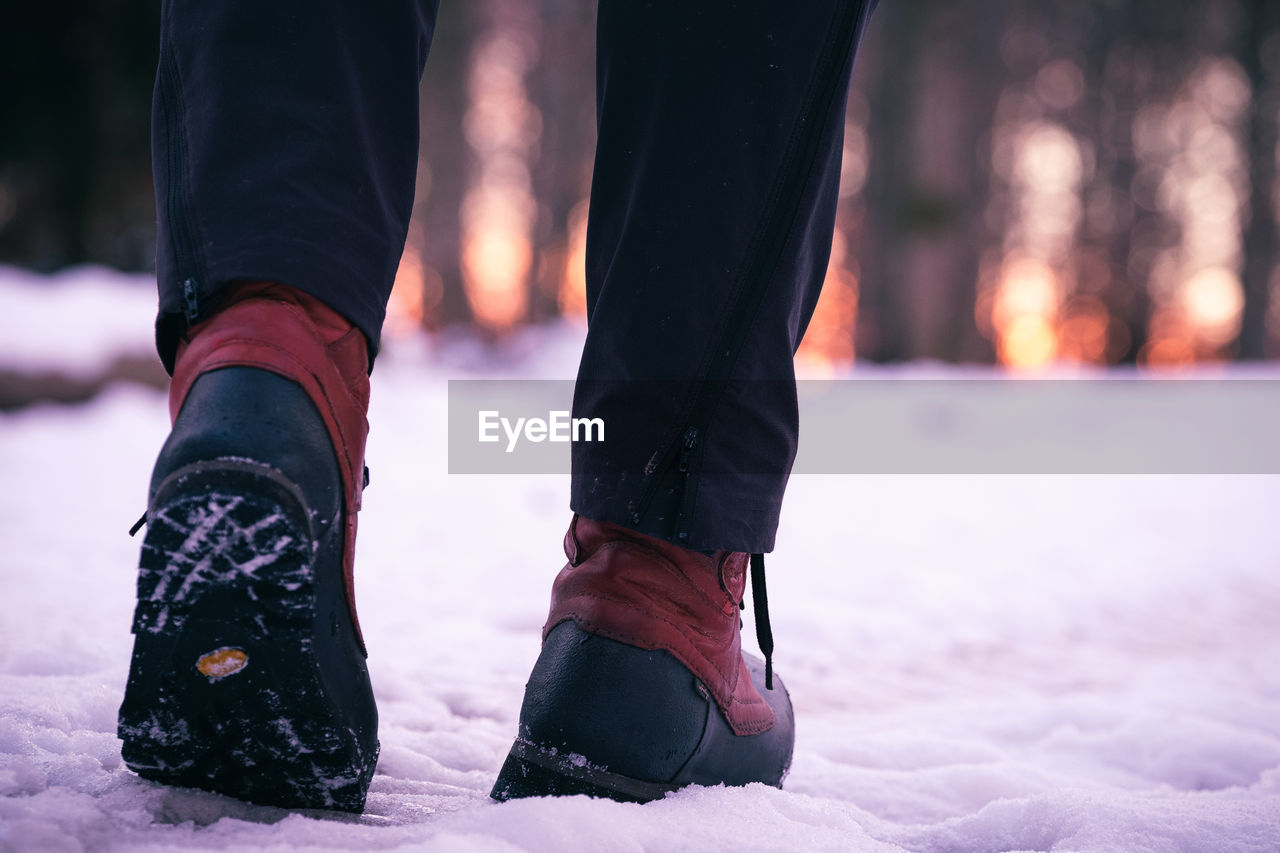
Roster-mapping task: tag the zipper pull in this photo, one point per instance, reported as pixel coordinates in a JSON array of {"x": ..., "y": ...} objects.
[
  {"x": 686, "y": 493},
  {"x": 191, "y": 299},
  {"x": 690, "y": 439}
]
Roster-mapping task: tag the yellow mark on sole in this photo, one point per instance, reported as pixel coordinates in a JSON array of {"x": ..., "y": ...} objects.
[{"x": 222, "y": 662}]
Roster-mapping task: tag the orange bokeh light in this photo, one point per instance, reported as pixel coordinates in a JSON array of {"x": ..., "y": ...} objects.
[
  {"x": 572, "y": 295},
  {"x": 495, "y": 267},
  {"x": 829, "y": 339},
  {"x": 406, "y": 307}
]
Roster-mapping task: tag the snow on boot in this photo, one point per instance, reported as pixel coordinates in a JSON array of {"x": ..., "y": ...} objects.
[
  {"x": 641, "y": 687},
  {"x": 248, "y": 674}
]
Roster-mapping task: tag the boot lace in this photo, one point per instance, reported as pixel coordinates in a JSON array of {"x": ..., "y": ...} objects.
[{"x": 760, "y": 604}]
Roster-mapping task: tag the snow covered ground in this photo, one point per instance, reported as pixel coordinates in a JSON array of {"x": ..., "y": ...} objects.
[{"x": 978, "y": 664}]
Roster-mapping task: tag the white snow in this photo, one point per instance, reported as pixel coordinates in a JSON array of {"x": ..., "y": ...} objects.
[
  {"x": 75, "y": 321},
  {"x": 978, "y": 664}
]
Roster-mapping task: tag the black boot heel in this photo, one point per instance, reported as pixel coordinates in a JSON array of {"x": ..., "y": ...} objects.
[{"x": 242, "y": 680}]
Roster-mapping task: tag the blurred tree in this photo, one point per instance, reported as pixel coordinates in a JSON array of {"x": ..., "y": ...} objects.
[
  {"x": 1112, "y": 71},
  {"x": 1148, "y": 55},
  {"x": 890, "y": 63},
  {"x": 1116, "y": 70},
  {"x": 75, "y": 94},
  {"x": 934, "y": 83},
  {"x": 562, "y": 85},
  {"x": 1260, "y": 58},
  {"x": 442, "y": 166}
]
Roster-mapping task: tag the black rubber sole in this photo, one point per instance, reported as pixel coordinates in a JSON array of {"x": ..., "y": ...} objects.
[
  {"x": 534, "y": 771},
  {"x": 608, "y": 719},
  {"x": 231, "y": 688}
]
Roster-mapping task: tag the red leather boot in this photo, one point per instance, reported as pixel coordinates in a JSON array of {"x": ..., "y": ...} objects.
[
  {"x": 642, "y": 687},
  {"x": 248, "y": 674}
]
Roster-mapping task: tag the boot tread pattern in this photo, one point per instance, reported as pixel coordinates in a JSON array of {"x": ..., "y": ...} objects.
[{"x": 224, "y": 691}]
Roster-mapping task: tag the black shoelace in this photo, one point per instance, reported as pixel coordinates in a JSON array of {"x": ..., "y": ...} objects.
[{"x": 760, "y": 604}]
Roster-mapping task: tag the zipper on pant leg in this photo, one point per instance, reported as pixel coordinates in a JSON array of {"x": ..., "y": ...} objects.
[
  {"x": 687, "y": 490},
  {"x": 177, "y": 211}
]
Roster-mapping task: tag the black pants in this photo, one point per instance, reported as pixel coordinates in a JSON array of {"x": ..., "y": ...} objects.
[{"x": 285, "y": 142}]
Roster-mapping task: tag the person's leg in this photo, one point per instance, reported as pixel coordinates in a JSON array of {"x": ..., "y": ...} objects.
[
  {"x": 712, "y": 209},
  {"x": 285, "y": 154},
  {"x": 285, "y": 148}
]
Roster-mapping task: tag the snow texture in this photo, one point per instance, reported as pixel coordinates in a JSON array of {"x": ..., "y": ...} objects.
[
  {"x": 74, "y": 322},
  {"x": 978, "y": 664}
]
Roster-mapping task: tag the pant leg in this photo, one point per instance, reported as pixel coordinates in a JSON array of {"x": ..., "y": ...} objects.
[
  {"x": 285, "y": 147},
  {"x": 712, "y": 208}
]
